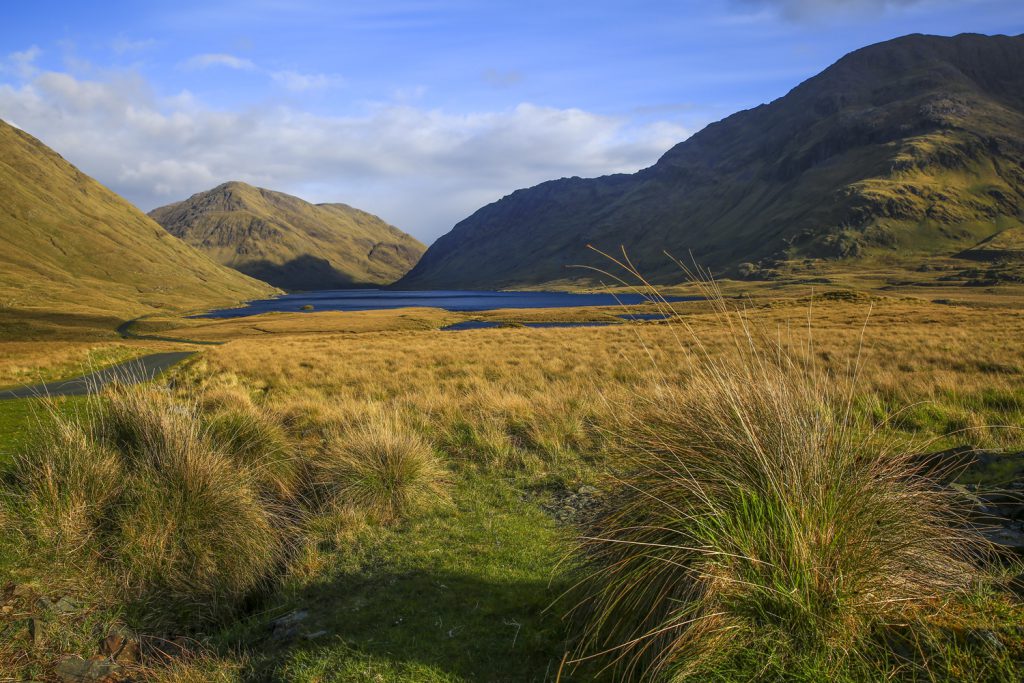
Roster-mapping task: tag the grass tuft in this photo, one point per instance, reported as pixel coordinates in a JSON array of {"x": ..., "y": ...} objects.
[
  {"x": 260, "y": 445},
  {"x": 383, "y": 467},
  {"x": 135, "y": 490},
  {"x": 757, "y": 524}
]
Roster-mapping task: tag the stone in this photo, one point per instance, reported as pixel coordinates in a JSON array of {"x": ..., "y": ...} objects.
[
  {"x": 35, "y": 631},
  {"x": 121, "y": 646},
  {"x": 112, "y": 645},
  {"x": 64, "y": 605},
  {"x": 1006, "y": 538},
  {"x": 287, "y": 626},
  {"x": 77, "y": 670},
  {"x": 1017, "y": 585}
]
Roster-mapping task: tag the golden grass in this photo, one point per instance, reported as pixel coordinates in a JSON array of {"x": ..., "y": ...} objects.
[
  {"x": 287, "y": 393},
  {"x": 26, "y": 363},
  {"x": 496, "y": 394},
  {"x": 382, "y": 467},
  {"x": 316, "y": 323},
  {"x": 755, "y": 515}
]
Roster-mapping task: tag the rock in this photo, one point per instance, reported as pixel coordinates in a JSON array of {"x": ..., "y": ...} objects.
[
  {"x": 121, "y": 646},
  {"x": 1007, "y": 538},
  {"x": 35, "y": 631},
  {"x": 1002, "y": 503},
  {"x": 1016, "y": 585},
  {"x": 112, "y": 645},
  {"x": 77, "y": 670},
  {"x": 171, "y": 648},
  {"x": 287, "y": 626},
  {"x": 987, "y": 638}
]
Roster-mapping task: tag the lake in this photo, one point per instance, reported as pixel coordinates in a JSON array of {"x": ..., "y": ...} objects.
[{"x": 449, "y": 300}]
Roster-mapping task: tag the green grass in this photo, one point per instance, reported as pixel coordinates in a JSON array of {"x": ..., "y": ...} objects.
[
  {"x": 463, "y": 590},
  {"x": 456, "y": 595},
  {"x": 21, "y": 417}
]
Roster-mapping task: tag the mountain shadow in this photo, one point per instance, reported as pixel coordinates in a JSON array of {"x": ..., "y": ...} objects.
[{"x": 304, "y": 273}]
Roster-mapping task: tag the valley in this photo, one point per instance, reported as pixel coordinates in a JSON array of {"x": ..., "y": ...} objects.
[{"x": 752, "y": 413}]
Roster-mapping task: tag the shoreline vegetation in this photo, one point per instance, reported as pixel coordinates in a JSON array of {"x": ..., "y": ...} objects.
[{"x": 734, "y": 493}]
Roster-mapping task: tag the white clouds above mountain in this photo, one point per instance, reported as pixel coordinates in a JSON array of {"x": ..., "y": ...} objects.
[{"x": 423, "y": 169}]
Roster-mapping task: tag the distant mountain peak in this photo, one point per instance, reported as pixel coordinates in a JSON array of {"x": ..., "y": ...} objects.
[
  {"x": 290, "y": 242},
  {"x": 912, "y": 146}
]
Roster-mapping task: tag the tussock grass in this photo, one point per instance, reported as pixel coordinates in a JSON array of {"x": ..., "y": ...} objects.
[
  {"x": 259, "y": 444},
  {"x": 67, "y": 487},
  {"x": 183, "y": 515},
  {"x": 383, "y": 467},
  {"x": 136, "y": 491},
  {"x": 759, "y": 526},
  {"x": 534, "y": 412}
]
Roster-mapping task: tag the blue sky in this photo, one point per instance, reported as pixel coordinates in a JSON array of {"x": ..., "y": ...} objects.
[{"x": 420, "y": 112}]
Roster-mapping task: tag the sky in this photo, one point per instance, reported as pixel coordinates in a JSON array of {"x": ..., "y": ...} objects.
[{"x": 419, "y": 112}]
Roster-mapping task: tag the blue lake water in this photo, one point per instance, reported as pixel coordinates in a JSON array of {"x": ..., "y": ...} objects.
[
  {"x": 484, "y": 324},
  {"x": 450, "y": 300}
]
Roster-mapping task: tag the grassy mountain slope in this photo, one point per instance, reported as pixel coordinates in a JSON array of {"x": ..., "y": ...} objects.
[
  {"x": 67, "y": 243},
  {"x": 288, "y": 242},
  {"x": 913, "y": 146}
]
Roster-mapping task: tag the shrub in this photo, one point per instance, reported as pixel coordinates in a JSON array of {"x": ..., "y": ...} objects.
[
  {"x": 225, "y": 397},
  {"x": 755, "y": 521},
  {"x": 382, "y": 467}
]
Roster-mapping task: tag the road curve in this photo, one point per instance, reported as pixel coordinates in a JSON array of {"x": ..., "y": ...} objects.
[{"x": 132, "y": 371}]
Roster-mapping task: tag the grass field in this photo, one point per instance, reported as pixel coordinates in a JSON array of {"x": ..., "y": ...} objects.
[{"x": 525, "y": 425}]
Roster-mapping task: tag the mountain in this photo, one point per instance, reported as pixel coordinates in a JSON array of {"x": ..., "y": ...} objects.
[
  {"x": 912, "y": 146},
  {"x": 288, "y": 242},
  {"x": 67, "y": 243}
]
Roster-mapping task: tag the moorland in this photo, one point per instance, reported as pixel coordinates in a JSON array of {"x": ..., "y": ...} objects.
[{"x": 809, "y": 470}]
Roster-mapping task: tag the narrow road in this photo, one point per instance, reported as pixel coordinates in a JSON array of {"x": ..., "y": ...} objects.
[
  {"x": 133, "y": 371},
  {"x": 125, "y": 330}
]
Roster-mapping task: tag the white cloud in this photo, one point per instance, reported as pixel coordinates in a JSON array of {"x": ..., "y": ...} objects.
[
  {"x": 229, "y": 61},
  {"x": 421, "y": 169},
  {"x": 799, "y": 10},
  {"x": 502, "y": 79},
  {"x": 21, "y": 64},
  {"x": 299, "y": 82},
  {"x": 122, "y": 45}
]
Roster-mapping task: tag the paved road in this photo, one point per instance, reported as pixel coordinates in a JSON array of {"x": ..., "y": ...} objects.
[{"x": 132, "y": 371}]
